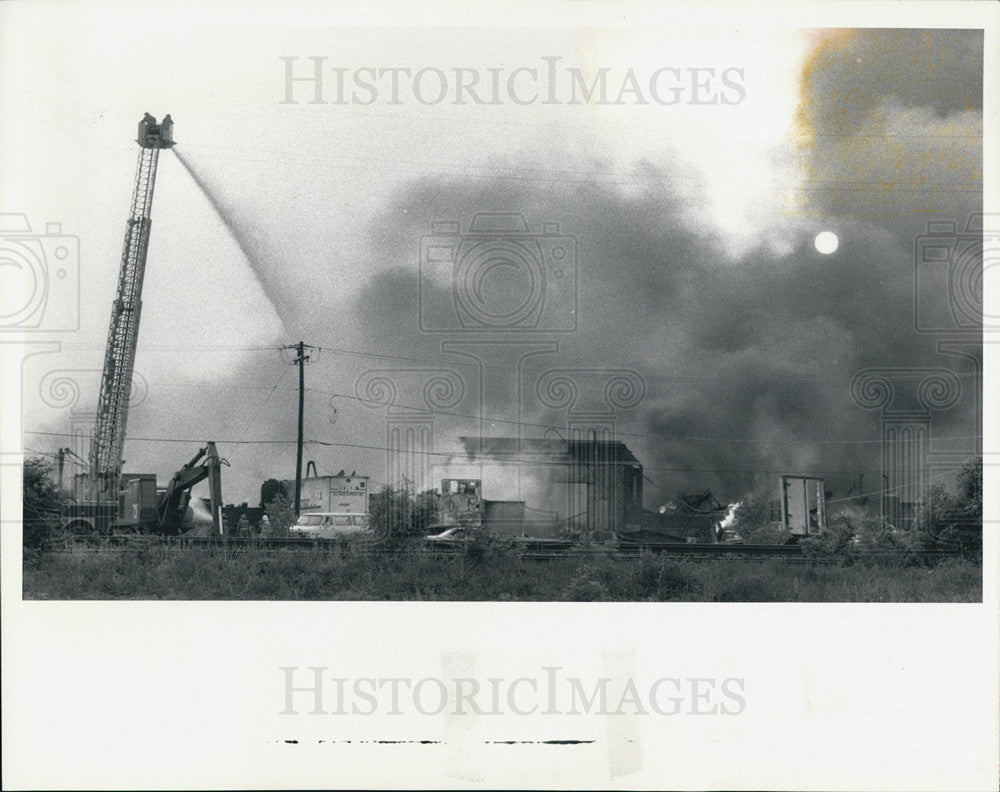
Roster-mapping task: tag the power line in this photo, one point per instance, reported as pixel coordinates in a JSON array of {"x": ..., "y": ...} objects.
[
  {"x": 424, "y": 360},
  {"x": 529, "y": 462},
  {"x": 267, "y": 398},
  {"x": 184, "y": 439},
  {"x": 491, "y": 367},
  {"x": 469, "y": 459},
  {"x": 41, "y": 453},
  {"x": 197, "y": 345},
  {"x": 886, "y": 491},
  {"x": 466, "y": 460}
]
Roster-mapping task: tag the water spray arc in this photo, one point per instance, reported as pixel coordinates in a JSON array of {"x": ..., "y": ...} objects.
[{"x": 239, "y": 236}]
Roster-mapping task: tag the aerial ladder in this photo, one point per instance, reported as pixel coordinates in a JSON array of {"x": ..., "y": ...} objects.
[{"x": 123, "y": 334}]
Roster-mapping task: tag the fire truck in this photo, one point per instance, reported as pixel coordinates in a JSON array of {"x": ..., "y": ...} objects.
[{"x": 104, "y": 498}]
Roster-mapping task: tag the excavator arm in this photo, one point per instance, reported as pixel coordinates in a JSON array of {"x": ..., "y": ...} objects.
[{"x": 173, "y": 502}]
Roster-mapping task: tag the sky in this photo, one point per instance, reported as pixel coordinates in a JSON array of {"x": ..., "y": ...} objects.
[{"x": 685, "y": 198}]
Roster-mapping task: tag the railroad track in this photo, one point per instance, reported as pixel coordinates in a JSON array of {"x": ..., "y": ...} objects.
[
  {"x": 690, "y": 550},
  {"x": 130, "y": 543}
]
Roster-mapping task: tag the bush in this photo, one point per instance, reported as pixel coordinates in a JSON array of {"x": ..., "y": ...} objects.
[
  {"x": 676, "y": 581},
  {"x": 424, "y": 514},
  {"x": 752, "y": 521},
  {"x": 954, "y": 520},
  {"x": 585, "y": 586},
  {"x": 280, "y": 517},
  {"x": 42, "y": 505},
  {"x": 946, "y": 521},
  {"x": 648, "y": 578},
  {"x": 751, "y": 586},
  {"x": 395, "y": 517},
  {"x": 484, "y": 547},
  {"x": 857, "y": 537},
  {"x": 836, "y": 540},
  {"x": 874, "y": 537}
]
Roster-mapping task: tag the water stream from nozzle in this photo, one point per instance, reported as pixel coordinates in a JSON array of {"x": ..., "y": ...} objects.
[{"x": 239, "y": 237}]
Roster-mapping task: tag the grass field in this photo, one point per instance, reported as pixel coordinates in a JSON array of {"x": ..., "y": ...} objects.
[{"x": 258, "y": 573}]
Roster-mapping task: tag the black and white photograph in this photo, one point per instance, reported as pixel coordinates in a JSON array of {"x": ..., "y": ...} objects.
[{"x": 478, "y": 395}]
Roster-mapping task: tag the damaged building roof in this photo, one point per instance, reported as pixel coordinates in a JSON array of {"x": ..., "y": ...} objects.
[{"x": 548, "y": 451}]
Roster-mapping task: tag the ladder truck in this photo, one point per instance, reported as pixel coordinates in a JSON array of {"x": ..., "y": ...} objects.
[{"x": 104, "y": 498}]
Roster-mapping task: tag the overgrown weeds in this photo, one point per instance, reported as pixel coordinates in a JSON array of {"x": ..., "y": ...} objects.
[{"x": 487, "y": 572}]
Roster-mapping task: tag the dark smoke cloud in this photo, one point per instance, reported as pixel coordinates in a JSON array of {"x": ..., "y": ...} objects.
[
  {"x": 748, "y": 362},
  {"x": 891, "y": 125},
  {"x": 851, "y": 72}
]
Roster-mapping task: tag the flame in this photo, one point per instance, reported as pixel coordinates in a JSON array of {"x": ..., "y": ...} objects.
[{"x": 730, "y": 515}]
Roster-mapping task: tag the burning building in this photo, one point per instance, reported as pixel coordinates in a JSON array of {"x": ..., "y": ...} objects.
[
  {"x": 593, "y": 485},
  {"x": 686, "y": 518}
]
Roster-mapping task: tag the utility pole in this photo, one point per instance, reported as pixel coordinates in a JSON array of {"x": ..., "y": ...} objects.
[{"x": 300, "y": 360}]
